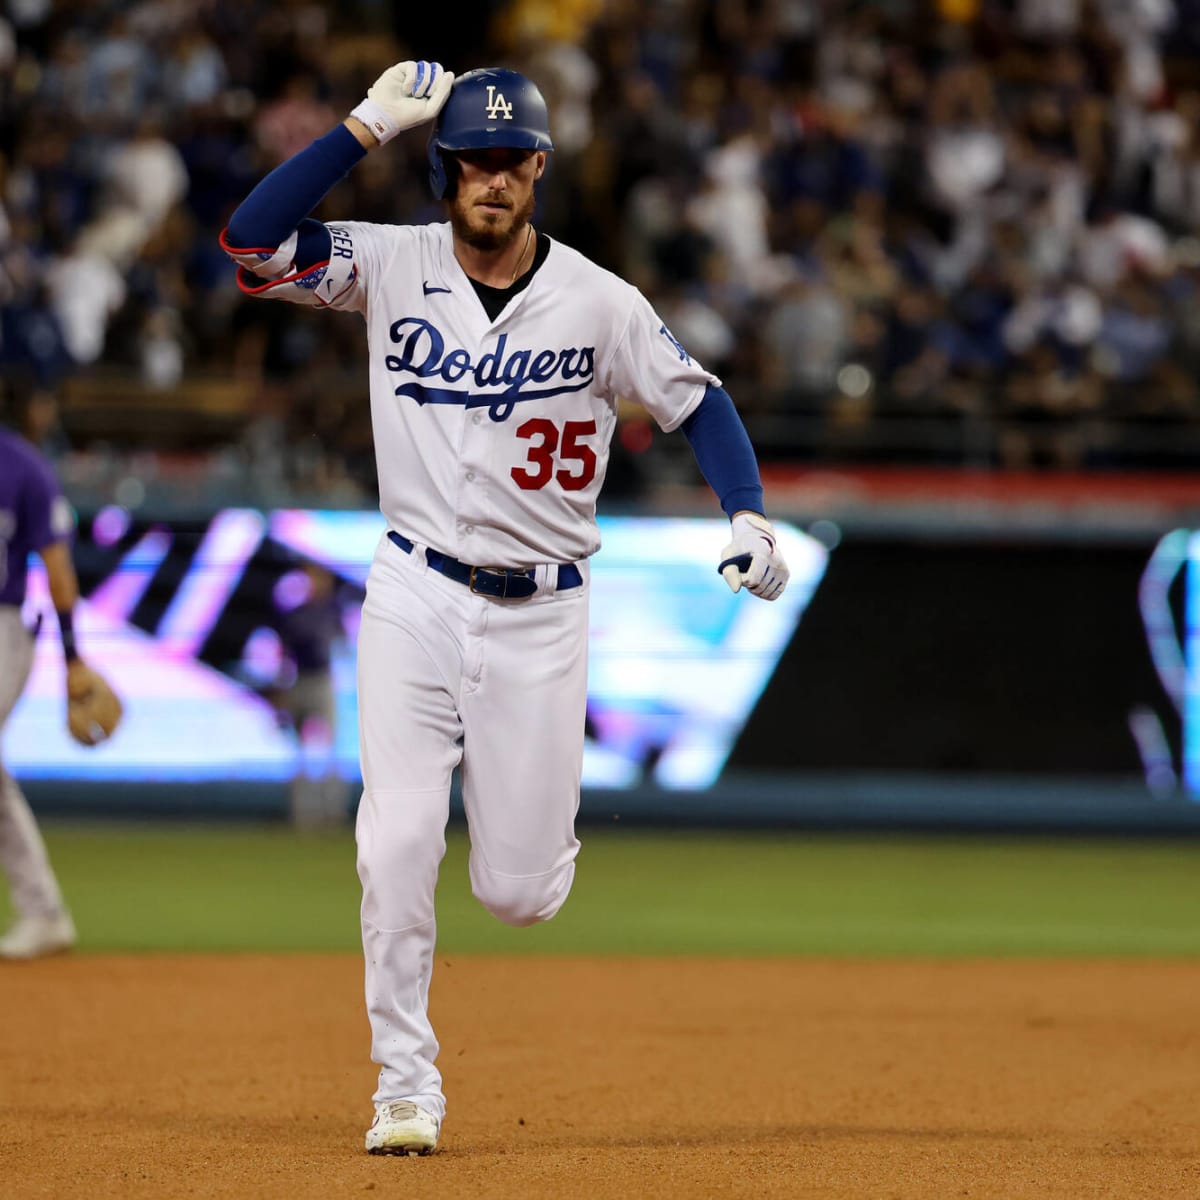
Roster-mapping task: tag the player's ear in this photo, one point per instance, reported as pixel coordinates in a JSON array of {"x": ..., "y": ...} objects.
[{"x": 541, "y": 164}]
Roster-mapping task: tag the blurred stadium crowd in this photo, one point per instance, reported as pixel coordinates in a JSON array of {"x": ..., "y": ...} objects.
[{"x": 902, "y": 231}]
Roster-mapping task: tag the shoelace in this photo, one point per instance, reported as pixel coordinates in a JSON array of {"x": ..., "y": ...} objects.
[{"x": 400, "y": 1110}]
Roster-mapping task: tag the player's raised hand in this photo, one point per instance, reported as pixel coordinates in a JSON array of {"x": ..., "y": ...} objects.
[
  {"x": 752, "y": 559},
  {"x": 407, "y": 94}
]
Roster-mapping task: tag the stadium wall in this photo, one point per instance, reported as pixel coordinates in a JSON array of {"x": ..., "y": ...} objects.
[{"x": 936, "y": 669}]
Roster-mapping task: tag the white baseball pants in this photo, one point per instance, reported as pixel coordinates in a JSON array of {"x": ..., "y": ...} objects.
[
  {"x": 446, "y": 676},
  {"x": 23, "y": 858}
]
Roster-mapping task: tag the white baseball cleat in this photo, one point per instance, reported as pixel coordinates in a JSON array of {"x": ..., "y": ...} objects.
[
  {"x": 35, "y": 937},
  {"x": 401, "y": 1127}
]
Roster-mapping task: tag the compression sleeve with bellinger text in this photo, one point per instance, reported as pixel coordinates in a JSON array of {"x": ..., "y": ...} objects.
[
  {"x": 724, "y": 453},
  {"x": 282, "y": 199}
]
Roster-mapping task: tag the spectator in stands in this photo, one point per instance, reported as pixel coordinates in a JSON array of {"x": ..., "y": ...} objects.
[
  {"x": 85, "y": 289},
  {"x": 33, "y": 347},
  {"x": 146, "y": 173},
  {"x": 1049, "y": 414},
  {"x": 805, "y": 340},
  {"x": 918, "y": 346},
  {"x": 286, "y": 125}
]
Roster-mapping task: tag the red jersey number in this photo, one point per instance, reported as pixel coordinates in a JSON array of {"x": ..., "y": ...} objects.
[{"x": 545, "y": 439}]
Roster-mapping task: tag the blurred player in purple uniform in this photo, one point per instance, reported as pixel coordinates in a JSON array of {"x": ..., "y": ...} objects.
[
  {"x": 307, "y": 703},
  {"x": 34, "y": 517}
]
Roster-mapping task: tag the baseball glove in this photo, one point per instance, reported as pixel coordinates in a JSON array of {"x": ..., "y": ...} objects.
[{"x": 93, "y": 708}]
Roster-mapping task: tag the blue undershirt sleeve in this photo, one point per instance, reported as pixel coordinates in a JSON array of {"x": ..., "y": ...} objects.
[
  {"x": 281, "y": 200},
  {"x": 724, "y": 453}
]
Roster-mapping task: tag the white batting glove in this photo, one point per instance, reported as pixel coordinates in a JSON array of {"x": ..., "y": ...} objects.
[
  {"x": 752, "y": 560},
  {"x": 408, "y": 94}
]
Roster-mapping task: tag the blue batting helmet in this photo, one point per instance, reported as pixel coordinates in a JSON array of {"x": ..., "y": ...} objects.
[{"x": 488, "y": 107}]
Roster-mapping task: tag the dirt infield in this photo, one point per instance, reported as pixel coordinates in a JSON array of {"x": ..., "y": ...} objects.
[{"x": 248, "y": 1077}]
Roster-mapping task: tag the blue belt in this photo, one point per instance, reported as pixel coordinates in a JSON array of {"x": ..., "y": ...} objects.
[{"x": 505, "y": 583}]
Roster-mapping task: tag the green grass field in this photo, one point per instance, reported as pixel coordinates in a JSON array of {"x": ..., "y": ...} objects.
[{"x": 207, "y": 887}]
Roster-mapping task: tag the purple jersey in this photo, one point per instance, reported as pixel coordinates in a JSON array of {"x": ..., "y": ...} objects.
[
  {"x": 308, "y": 631},
  {"x": 33, "y": 512}
]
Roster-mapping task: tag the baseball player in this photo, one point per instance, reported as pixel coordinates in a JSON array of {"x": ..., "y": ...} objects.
[
  {"x": 307, "y": 634},
  {"x": 35, "y": 517},
  {"x": 496, "y": 359}
]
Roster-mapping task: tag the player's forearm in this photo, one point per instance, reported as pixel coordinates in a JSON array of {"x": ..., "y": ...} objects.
[
  {"x": 64, "y": 592},
  {"x": 282, "y": 199},
  {"x": 724, "y": 454},
  {"x": 60, "y": 575}
]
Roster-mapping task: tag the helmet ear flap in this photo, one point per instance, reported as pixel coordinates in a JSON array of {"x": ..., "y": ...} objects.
[
  {"x": 439, "y": 181},
  {"x": 450, "y": 172},
  {"x": 443, "y": 173}
]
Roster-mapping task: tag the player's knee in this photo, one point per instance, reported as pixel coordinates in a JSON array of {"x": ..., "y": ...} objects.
[
  {"x": 398, "y": 866},
  {"x": 522, "y": 900}
]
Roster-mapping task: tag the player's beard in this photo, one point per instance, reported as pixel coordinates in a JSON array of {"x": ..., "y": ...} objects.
[{"x": 487, "y": 232}]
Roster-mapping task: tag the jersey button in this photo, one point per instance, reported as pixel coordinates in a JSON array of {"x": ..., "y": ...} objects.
[
  {"x": 476, "y": 419},
  {"x": 468, "y": 529},
  {"x": 470, "y": 476}
]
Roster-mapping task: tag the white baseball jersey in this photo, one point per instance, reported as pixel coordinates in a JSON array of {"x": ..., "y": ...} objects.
[{"x": 492, "y": 437}]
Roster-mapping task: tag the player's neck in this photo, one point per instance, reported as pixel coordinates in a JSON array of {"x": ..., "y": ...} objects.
[{"x": 498, "y": 268}]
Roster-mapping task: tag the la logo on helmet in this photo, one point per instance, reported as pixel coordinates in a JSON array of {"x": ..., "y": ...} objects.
[{"x": 497, "y": 106}]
